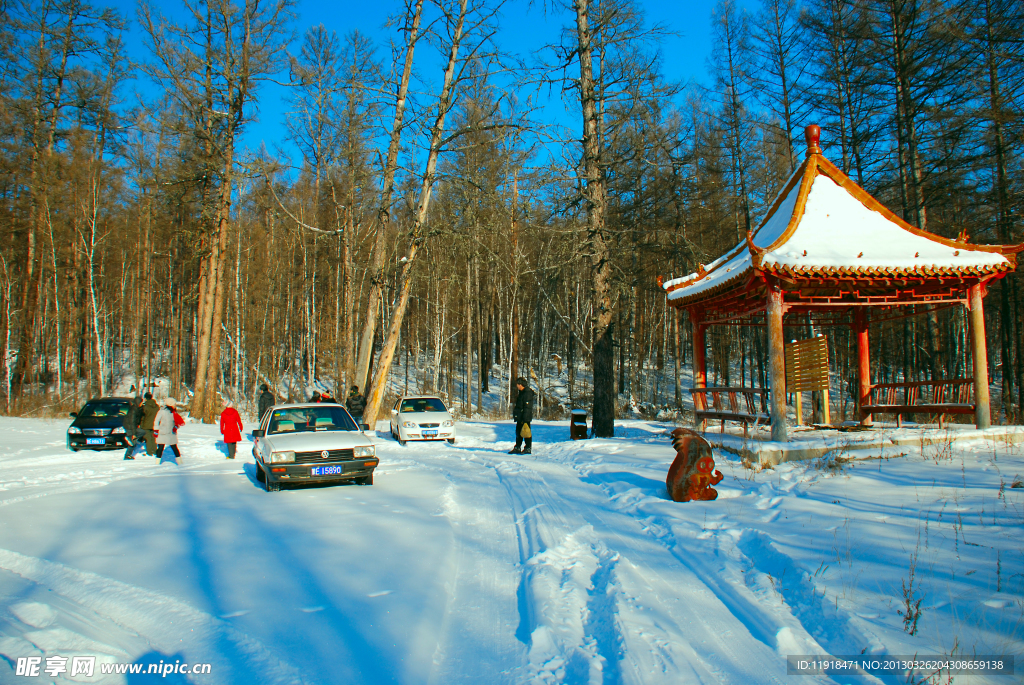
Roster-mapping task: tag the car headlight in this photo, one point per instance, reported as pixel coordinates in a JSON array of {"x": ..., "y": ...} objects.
[
  {"x": 409, "y": 424},
  {"x": 118, "y": 431},
  {"x": 75, "y": 430},
  {"x": 448, "y": 423},
  {"x": 364, "y": 451},
  {"x": 278, "y": 457}
]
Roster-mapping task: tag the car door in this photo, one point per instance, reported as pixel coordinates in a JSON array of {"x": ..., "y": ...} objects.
[
  {"x": 261, "y": 442},
  {"x": 394, "y": 416}
]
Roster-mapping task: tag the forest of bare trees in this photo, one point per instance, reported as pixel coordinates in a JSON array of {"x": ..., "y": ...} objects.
[{"x": 442, "y": 213}]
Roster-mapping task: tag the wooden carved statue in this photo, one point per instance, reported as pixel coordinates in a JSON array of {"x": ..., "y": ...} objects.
[{"x": 693, "y": 471}]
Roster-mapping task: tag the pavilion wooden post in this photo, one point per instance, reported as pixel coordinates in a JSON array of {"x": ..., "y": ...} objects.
[
  {"x": 700, "y": 366},
  {"x": 777, "y": 364},
  {"x": 982, "y": 412},
  {"x": 860, "y": 331}
]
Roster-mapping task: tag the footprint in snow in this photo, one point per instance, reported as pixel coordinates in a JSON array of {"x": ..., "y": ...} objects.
[
  {"x": 311, "y": 610},
  {"x": 380, "y": 593},
  {"x": 34, "y": 614}
]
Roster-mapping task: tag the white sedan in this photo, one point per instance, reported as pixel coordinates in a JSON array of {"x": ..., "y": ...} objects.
[
  {"x": 421, "y": 417},
  {"x": 302, "y": 443}
]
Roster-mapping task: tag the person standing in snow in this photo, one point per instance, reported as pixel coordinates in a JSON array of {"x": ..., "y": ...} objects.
[
  {"x": 522, "y": 413},
  {"x": 131, "y": 426},
  {"x": 230, "y": 427},
  {"x": 265, "y": 402},
  {"x": 315, "y": 397},
  {"x": 149, "y": 411},
  {"x": 356, "y": 404},
  {"x": 166, "y": 429}
]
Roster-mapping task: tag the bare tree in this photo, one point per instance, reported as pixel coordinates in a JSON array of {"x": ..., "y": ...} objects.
[{"x": 211, "y": 68}]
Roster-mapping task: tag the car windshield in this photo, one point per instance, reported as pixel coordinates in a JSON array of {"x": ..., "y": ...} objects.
[
  {"x": 310, "y": 419},
  {"x": 417, "y": 404},
  {"x": 103, "y": 410}
]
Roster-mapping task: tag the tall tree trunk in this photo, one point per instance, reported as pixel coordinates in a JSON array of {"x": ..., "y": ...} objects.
[
  {"x": 595, "y": 195},
  {"x": 387, "y": 353},
  {"x": 384, "y": 207}
]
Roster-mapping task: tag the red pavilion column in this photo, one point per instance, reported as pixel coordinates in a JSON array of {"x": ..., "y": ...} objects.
[
  {"x": 777, "y": 364},
  {"x": 860, "y": 331},
  {"x": 979, "y": 351}
]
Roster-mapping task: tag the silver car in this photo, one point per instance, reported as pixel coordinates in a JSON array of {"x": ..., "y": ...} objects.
[
  {"x": 421, "y": 417},
  {"x": 310, "y": 443}
]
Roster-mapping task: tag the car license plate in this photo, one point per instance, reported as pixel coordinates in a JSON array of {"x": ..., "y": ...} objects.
[
  {"x": 326, "y": 470},
  {"x": 95, "y": 441},
  {"x": 429, "y": 434}
]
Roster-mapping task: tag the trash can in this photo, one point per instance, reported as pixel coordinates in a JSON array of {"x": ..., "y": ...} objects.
[{"x": 578, "y": 424}]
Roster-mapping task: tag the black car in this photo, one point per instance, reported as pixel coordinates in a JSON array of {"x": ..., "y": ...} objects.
[{"x": 99, "y": 425}]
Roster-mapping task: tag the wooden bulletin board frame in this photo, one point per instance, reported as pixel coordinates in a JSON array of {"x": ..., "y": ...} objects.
[{"x": 807, "y": 371}]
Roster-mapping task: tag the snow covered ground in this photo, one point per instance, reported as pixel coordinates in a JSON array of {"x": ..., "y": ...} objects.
[{"x": 463, "y": 564}]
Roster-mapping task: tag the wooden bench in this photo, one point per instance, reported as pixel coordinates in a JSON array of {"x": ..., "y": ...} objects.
[
  {"x": 746, "y": 405},
  {"x": 955, "y": 396}
]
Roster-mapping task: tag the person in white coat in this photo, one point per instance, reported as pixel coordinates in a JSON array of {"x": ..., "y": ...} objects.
[{"x": 166, "y": 431}]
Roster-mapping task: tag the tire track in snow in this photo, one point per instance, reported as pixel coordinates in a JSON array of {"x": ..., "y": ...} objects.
[
  {"x": 646, "y": 618},
  {"x": 169, "y": 625},
  {"x": 567, "y": 590},
  {"x": 802, "y": 621},
  {"x": 474, "y": 641}
]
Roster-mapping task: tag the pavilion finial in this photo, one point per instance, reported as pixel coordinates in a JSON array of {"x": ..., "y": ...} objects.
[{"x": 813, "y": 135}]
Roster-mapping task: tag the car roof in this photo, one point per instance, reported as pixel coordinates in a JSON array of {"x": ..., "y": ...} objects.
[
  {"x": 420, "y": 397},
  {"x": 108, "y": 399},
  {"x": 307, "y": 405}
]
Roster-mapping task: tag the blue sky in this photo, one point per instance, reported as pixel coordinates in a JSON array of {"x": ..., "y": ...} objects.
[{"x": 525, "y": 27}]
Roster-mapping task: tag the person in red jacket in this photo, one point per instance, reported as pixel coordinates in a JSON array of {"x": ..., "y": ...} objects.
[{"x": 230, "y": 427}]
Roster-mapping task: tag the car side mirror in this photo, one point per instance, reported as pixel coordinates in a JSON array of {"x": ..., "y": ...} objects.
[
  {"x": 258, "y": 433},
  {"x": 364, "y": 426},
  {"x": 73, "y": 414}
]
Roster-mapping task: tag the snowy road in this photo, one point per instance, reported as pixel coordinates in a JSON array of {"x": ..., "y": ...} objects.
[{"x": 464, "y": 564}]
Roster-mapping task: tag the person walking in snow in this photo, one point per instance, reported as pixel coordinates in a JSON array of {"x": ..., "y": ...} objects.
[
  {"x": 230, "y": 427},
  {"x": 166, "y": 429},
  {"x": 356, "y": 404},
  {"x": 522, "y": 413},
  {"x": 149, "y": 412},
  {"x": 132, "y": 432},
  {"x": 265, "y": 402}
]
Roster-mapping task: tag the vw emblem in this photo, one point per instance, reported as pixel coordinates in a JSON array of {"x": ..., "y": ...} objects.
[{"x": 325, "y": 454}]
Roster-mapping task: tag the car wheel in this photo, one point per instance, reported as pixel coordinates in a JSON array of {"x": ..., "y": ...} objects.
[
  {"x": 401, "y": 442},
  {"x": 365, "y": 480},
  {"x": 260, "y": 476},
  {"x": 451, "y": 441}
]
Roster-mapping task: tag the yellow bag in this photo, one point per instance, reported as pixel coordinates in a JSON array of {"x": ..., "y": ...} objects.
[{"x": 526, "y": 432}]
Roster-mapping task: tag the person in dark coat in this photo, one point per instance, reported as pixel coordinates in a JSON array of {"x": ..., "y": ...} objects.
[
  {"x": 149, "y": 411},
  {"x": 132, "y": 432},
  {"x": 523, "y": 415},
  {"x": 265, "y": 402},
  {"x": 315, "y": 397},
  {"x": 355, "y": 403}
]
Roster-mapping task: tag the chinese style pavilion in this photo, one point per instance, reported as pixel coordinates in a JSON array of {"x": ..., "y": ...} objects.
[{"x": 826, "y": 245}]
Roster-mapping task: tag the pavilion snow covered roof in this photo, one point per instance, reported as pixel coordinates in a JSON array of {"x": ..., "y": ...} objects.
[{"x": 823, "y": 225}]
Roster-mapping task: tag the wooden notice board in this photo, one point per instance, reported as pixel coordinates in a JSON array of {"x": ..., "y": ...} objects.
[{"x": 807, "y": 365}]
